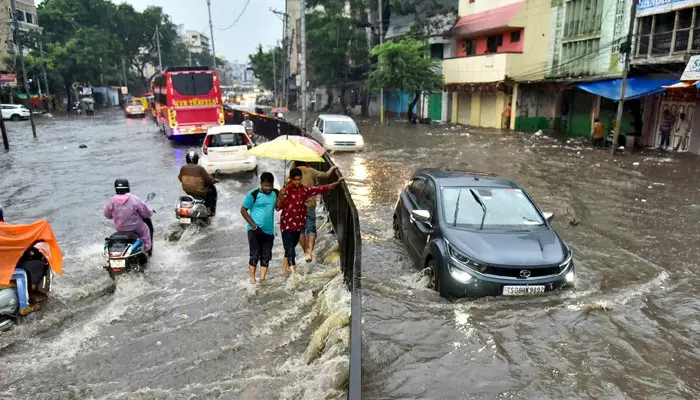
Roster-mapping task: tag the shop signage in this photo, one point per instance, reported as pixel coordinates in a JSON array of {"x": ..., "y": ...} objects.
[
  {"x": 692, "y": 70},
  {"x": 650, "y": 7}
]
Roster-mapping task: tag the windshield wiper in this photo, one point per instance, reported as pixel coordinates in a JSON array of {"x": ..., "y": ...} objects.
[
  {"x": 454, "y": 223},
  {"x": 483, "y": 207}
]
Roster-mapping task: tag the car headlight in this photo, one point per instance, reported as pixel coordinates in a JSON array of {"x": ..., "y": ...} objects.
[
  {"x": 463, "y": 259},
  {"x": 570, "y": 276},
  {"x": 459, "y": 275}
]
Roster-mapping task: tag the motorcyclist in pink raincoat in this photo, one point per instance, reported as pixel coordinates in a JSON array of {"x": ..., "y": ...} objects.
[{"x": 129, "y": 213}]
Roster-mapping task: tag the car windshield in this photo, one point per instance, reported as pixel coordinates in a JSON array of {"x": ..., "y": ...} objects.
[
  {"x": 228, "y": 140},
  {"x": 504, "y": 209},
  {"x": 340, "y": 127}
]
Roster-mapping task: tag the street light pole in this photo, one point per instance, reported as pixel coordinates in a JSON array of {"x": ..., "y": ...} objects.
[
  {"x": 625, "y": 69},
  {"x": 303, "y": 64},
  {"x": 18, "y": 42},
  {"x": 160, "y": 60},
  {"x": 274, "y": 75},
  {"x": 211, "y": 32}
]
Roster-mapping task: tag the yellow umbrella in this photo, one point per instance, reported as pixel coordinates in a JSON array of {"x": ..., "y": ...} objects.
[{"x": 285, "y": 150}]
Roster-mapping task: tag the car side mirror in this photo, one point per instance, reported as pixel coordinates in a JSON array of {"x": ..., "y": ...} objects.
[
  {"x": 421, "y": 216},
  {"x": 548, "y": 216},
  {"x": 150, "y": 196}
]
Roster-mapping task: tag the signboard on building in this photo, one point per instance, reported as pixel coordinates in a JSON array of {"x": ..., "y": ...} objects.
[
  {"x": 692, "y": 70},
  {"x": 8, "y": 80},
  {"x": 650, "y": 7},
  {"x": 85, "y": 90}
]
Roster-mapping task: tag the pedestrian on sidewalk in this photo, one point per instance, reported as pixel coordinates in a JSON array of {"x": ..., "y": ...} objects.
[
  {"x": 506, "y": 116},
  {"x": 258, "y": 210},
  {"x": 597, "y": 134},
  {"x": 292, "y": 201},
  {"x": 665, "y": 128},
  {"x": 310, "y": 177},
  {"x": 683, "y": 132}
]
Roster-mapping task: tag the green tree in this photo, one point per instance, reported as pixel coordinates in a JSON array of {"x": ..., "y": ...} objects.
[
  {"x": 337, "y": 51},
  {"x": 403, "y": 66},
  {"x": 263, "y": 67}
]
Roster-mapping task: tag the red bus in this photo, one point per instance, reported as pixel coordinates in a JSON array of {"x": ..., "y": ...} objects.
[{"x": 187, "y": 100}]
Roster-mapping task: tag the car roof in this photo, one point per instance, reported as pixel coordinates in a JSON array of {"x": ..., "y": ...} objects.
[
  {"x": 215, "y": 130},
  {"x": 11, "y": 105},
  {"x": 335, "y": 117},
  {"x": 447, "y": 177}
]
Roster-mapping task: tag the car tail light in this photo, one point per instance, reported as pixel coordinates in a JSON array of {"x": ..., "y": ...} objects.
[{"x": 207, "y": 143}]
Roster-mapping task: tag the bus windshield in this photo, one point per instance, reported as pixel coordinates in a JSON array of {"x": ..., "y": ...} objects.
[{"x": 193, "y": 84}]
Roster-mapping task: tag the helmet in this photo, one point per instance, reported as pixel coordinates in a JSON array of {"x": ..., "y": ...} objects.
[
  {"x": 192, "y": 157},
  {"x": 246, "y": 117},
  {"x": 121, "y": 186},
  {"x": 280, "y": 115}
]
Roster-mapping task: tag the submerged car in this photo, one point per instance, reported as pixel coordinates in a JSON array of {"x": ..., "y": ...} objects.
[
  {"x": 224, "y": 150},
  {"x": 478, "y": 235},
  {"x": 337, "y": 133}
]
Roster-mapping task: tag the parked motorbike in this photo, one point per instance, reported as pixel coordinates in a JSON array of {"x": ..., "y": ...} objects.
[
  {"x": 125, "y": 252},
  {"x": 27, "y": 253}
]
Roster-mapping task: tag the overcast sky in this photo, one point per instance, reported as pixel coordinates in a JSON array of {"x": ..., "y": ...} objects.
[{"x": 257, "y": 24}]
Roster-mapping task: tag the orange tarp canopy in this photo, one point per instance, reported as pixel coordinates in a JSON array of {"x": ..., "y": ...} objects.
[{"x": 16, "y": 239}]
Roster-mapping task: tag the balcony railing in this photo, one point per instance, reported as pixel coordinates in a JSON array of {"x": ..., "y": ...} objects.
[{"x": 663, "y": 44}]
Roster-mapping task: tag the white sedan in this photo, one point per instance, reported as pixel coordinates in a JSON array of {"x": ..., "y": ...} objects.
[
  {"x": 225, "y": 148},
  {"x": 337, "y": 133}
]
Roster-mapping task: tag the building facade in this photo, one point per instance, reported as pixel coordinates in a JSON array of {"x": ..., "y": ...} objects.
[
  {"x": 498, "y": 44},
  {"x": 27, "y": 18},
  {"x": 196, "y": 42}
]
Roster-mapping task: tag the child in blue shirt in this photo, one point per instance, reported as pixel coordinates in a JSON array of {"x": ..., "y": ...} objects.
[{"x": 258, "y": 210}]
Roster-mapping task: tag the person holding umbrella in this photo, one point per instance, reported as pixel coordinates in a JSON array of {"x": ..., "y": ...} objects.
[
  {"x": 292, "y": 201},
  {"x": 309, "y": 177}
]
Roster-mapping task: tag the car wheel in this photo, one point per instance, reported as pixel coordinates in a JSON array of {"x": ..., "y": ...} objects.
[
  {"x": 397, "y": 228},
  {"x": 434, "y": 278},
  {"x": 15, "y": 117}
]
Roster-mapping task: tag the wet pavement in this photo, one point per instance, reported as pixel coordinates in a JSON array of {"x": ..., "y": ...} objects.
[
  {"x": 628, "y": 330},
  {"x": 191, "y": 326}
]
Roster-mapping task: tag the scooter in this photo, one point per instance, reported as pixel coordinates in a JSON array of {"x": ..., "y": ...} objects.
[
  {"x": 125, "y": 252},
  {"x": 29, "y": 284},
  {"x": 190, "y": 209}
]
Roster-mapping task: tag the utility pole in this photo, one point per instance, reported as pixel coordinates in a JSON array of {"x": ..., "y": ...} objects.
[
  {"x": 126, "y": 81},
  {"x": 18, "y": 42},
  {"x": 43, "y": 67},
  {"x": 380, "y": 19},
  {"x": 283, "y": 74},
  {"x": 625, "y": 69},
  {"x": 274, "y": 75},
  {"x": 190, "y": 57},
  {"x": 211, "y": 32},
  {"x": 160, "y": 60},
  {"x": 303, "y": 65}
]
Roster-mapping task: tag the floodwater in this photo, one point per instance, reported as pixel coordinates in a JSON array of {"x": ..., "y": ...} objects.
[
  {"x": 629, "y": 329},
  {"x": 191, "y": 326}
]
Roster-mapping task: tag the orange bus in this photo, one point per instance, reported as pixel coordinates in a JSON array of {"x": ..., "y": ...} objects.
[{"x": 187, "y": 101}]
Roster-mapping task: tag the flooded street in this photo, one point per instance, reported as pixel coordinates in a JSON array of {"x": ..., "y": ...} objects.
[
  {"x": 191, "y": 326},
  {"x": 628, "y": 330}
]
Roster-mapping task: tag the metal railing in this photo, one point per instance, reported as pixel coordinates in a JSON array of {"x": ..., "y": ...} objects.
[{"x": 346, "y": 223}]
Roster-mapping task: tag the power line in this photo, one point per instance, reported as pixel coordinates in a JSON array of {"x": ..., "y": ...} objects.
[{"x": 245, "y": 6}]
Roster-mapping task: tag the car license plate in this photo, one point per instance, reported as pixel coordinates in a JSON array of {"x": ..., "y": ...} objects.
[
  {"x": 117, "y": 264},
  {"x": 520, "y": 290},
  {"x": 185, "y": 220}
]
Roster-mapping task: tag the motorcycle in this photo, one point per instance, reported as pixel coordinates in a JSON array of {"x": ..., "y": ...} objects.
[
  {"x": 29, "y": 256},
  {"x": 125, "y": 252}
]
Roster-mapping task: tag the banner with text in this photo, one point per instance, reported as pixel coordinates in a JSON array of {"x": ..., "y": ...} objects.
[{"x": 650, "y": 7}]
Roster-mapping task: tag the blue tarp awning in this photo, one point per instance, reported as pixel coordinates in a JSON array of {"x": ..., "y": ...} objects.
[{"x": 636, "y": 87}]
